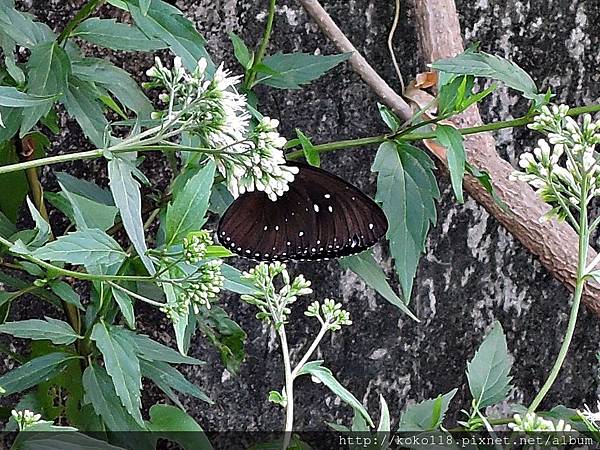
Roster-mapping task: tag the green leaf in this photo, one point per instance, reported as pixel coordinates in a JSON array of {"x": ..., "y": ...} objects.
[
  {"x": 315, "y": 369},
  {"x": 427, "y": 415},
  {"x": 90, "y": 248},
  {"x": 85, "y": 188},
  {"x": 12, "y": 98},
  {"x": 384, "y": 426},
  {"x": 53, "y": 330},
  {"x": 42, "y": 227},
  {"x": 187, "y": 212},
  {"x": 38, "y": 437},
  {"x": 66, "y": 293},
  {"x": 407, "y": 191},
  {"x": 241, "y": 52},
  {"x": 117, "y": 36},
  {"x": 168, "y": 378},
  {"x": 81, "y": 104},
  {"x": 177, "y": 426},
  {"x": 13, "y": 182},
  {"x": 488, "y": 370},
  {"x": 485, "y": 180},
  {"x": 310, "y": 152},
  {"x": 151, "y": 350},
  {"x": 234, "y": 281},
  {"x": 291, "y": 70},
  {"x": 220, "y": 199},
  {"x": 48, "y": 70},
  {"x": 100, "y": 392},
  {"x": 7, "y": 228},
  {"x": 165, "y": 22},
  {"x": 11, "y": 118},
  {"x": 365, "y": 266},
  {"x": 482, "y": 64},
  {"x": 452, "y": 140},
  {"x": 88, "y": 213},
  {"x": 21, "y": 28},
  {"x": 225, "y": 335},
  {"x": 125, "y": 305},
  {"x": 389, "y": 117},
  {"x": 42, "y": 368},
  {"x": 115, "y": 80},
  {"x": 126, "y": 193},
  {"x": 122, "y": 365}
]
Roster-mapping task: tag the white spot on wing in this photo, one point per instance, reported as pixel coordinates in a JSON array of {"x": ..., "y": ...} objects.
[
  {"x": 301, "y": 233},
  {"x": 327, "y": 196}
]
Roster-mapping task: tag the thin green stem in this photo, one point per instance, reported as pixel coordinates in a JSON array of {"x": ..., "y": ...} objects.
[
  {"x": 580, "y": 284},
  {"x": 262, "y": 49},
  {"x": 135, "y": 295},
  {"x": 85, "y": 12}
]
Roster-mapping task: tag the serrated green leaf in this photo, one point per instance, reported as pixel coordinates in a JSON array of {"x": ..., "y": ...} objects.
[
  {"x": 365, "y": 266},
  {"x": 85, "y": 188},
  {"x": 488, "y": 371},
  {"x": 291, "y": 70},
  {"x": 122, "y": 365},
  {"x": 450, "y": 138},
  {"x": 310, "y": 153},
  {"x": 13, "y": 182},
  {"x": 151, "y": 350},
  {"x": 42, "y": 228},
  {"x": 485, "y": 180},
  {"x": 427, "y": 415},
  {"x": 117, "y": 36},
  {"x": 21, "y": 28},
  {"x": 100, "y": 392},
  {"x": 115, "y": 80},
  {"x": 177, "y": 426},
  {"x": 482, "y": 64},
  {"x": 241, "y": 52},
  {"x": 10, "y": 97},
  {"x": 91, "y": 248},
  {"x": 407, "y": 191},
  {"x": 87, "y": 213},
  {"x": 317, "y": 370},
  {"x": 126, "y": 193},
  {"x": 53, "y": 330},
  {"x": 82, "y": 105},
  {"x": 187, "y": 211},
  {"x": 165, "y": 22},
  {"x": 48, "y": 71},
  {"x": 168, "y": 378},
  {"x": 35, "y": 371}
]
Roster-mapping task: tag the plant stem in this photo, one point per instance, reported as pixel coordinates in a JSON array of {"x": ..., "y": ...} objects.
[
  {"x": 262, "y": 49},
  {"x": 135, "y": 295},
  {"x": 579, "y": 285},
  {"x": 310, "y": 350},
  {"x": 81, "y": 15},
  {"x": 289, "y": 388}
]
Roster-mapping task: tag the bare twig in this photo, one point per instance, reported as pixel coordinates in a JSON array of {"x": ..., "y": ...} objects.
[
  {"x": 390, "y": 43},
  {"x": 555, "y": 244},
  {"x": 358, "y": 62}
]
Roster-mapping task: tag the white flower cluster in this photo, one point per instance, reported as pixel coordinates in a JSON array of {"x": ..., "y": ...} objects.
[
  {"x": 558, "y": 166},
  {"x": 25, "y": 418},
  {"x": 273, "y": 303},
  {"x": 218, "y": 114},
  {"x": 195, "y": 246},
  {"x": 533, "y": 422},
  {"x": 592, "y": 417},
  {"x": 197, "y": 292},
  {"x": 263, "y": 168},
  {"x": 333, "y": 315}
]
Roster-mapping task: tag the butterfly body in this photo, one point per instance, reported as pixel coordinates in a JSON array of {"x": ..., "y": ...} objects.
[{"x": 321, "y": 216}]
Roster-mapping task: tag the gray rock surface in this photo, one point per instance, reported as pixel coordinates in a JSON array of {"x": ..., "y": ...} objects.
[{"x": 473, "y": 272}]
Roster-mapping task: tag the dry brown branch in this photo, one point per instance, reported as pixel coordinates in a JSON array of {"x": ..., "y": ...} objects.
[{"x": 555, "y": 244}]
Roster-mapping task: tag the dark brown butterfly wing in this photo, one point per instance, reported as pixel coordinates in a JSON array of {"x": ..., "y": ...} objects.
[{"x": 320, "y": 217}]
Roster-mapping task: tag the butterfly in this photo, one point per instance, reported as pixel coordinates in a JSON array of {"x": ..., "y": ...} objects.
[{"x": 321, "y": 216}]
